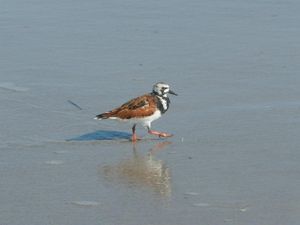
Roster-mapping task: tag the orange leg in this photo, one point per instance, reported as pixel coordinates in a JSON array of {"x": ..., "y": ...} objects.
[
  {"x": 134, "y": 137},
  {"x": 158, "y": 133}
]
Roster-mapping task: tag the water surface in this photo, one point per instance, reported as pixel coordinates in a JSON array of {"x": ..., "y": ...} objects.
[{"x": 234, "y": 157}]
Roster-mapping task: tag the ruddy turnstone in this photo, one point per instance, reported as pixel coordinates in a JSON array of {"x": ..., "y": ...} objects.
[{"x": 143, "y": 109}]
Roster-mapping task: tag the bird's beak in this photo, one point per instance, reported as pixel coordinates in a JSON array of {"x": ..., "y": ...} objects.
[{"x": 172, "y": 93}]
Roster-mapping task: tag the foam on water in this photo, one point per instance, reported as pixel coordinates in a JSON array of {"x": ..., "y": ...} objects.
[
  {"x": 9, "y": 86},
  {"x": 85, "y": 203}
]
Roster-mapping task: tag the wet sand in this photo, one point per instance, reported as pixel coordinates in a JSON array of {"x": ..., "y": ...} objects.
[{"x": 234, "y": 157}]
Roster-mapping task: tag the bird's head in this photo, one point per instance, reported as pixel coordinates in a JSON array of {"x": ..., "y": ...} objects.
[{"x": 162, "y": 89}]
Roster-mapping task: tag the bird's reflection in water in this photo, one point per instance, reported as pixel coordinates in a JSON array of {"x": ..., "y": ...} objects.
[{"x": 142, "y": 171}]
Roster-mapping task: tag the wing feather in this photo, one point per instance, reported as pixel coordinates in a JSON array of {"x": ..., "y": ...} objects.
[{"x": 138, "y": 107}]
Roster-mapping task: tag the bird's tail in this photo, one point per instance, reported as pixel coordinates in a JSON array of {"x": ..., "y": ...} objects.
[{"x": 102, "y": 116}]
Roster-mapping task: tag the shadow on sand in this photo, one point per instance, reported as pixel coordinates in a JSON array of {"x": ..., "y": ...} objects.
[{"x": 102, "y": 135}]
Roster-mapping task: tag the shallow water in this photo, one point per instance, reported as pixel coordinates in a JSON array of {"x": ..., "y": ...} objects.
[{"x": 234, "y": 157}]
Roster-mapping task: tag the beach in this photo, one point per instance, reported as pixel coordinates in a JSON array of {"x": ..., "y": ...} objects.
[{"x": 234, "y": 157}]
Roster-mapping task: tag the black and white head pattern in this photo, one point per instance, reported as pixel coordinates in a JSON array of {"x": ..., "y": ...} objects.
[{"x": 161, "y": 89}]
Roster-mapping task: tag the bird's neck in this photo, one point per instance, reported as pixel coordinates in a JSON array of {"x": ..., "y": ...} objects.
[{"x": 163, "y": 103}]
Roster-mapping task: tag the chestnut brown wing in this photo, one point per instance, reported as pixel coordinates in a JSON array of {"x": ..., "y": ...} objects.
[{"x": 138, "y": 107}]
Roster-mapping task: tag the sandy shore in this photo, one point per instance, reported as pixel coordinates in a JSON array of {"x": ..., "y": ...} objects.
[{"x": 234, "y": 156}]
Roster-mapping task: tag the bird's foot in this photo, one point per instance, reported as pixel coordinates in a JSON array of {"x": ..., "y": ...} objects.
[
  {"x": 135, "y": 138},
  {"x": 159, "y": 134}
]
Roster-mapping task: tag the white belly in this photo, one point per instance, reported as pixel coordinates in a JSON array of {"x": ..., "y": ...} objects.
[{"x": 146, "y": 121}]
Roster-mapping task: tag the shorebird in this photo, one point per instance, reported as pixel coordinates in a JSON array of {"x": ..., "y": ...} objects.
[{"x": 143, "y": 110}]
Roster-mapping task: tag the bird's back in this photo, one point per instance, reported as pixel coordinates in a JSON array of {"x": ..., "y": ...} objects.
[{"x": 139, "y": 107}]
